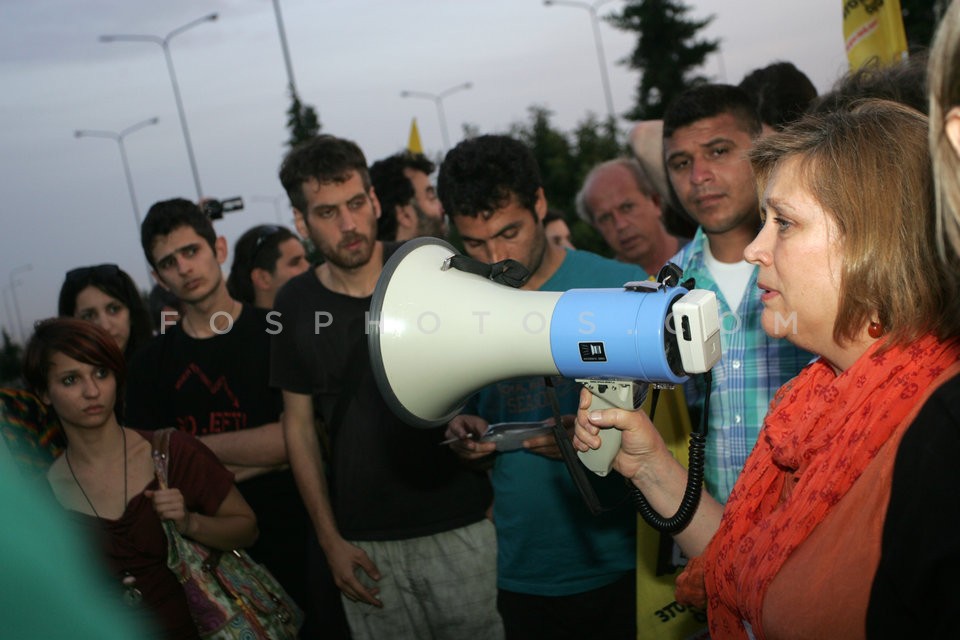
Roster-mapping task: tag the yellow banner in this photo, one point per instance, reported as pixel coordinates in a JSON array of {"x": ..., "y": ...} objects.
[
  {"x": 413, "y": 144},
  {"x": 873, "y": 29}
]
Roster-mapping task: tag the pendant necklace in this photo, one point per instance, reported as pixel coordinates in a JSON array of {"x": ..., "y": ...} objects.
[{"x": 131, "y": 594}]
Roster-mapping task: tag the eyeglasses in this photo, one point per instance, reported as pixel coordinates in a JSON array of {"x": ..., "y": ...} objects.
[
  {"x": 267, "y": 232},
  {"x": 101, "y": 271}
]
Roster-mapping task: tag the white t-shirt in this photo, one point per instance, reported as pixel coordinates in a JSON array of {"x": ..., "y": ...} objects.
[{"x": 731, "y": 277}]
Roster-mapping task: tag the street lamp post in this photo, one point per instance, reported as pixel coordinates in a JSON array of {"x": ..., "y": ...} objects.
[
  {"x": 286, "y": 49},
  {"x": 118, "y": 137},
  {"x": 592, "y": 9},
  {"x": 438, "y": 100},
  {"x": 165, "y": 45},
  {"x": 13, "y": 293}
]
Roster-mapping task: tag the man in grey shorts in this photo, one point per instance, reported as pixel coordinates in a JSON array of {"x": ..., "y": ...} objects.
[{"x": 403, "y": 522}]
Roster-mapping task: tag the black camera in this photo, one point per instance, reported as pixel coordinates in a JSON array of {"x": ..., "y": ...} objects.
[{"x": 214, "y": 209}]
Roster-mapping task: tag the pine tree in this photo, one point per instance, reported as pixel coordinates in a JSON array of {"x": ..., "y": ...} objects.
[
  {"x": 302, "y": 121},
  {"x": 10, "y": 355},
  {"x": 667, "y": 52}
]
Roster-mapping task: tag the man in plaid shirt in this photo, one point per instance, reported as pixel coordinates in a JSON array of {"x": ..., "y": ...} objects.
[{"x": 707, "y": 133}]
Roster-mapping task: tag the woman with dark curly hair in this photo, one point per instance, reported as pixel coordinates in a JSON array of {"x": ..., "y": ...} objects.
[{"x": 106, "y": 296}]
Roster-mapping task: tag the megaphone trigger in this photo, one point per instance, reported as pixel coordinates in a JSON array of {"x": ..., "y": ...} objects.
[{"x": 610, "y": 394}]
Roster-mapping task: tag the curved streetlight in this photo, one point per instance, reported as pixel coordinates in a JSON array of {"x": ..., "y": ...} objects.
[
  {"x": 13, "y": 293},
  {"x": 118, "y": 137},
  {"x": 164, "y": 43},
  {"x": 592, "y": 9},
  {"x": 438, "y": 100}
]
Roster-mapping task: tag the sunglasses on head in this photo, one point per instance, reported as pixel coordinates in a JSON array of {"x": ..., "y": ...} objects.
[
  {"x": 102, "y": 271},
  {"x": 265, "y": 234}
]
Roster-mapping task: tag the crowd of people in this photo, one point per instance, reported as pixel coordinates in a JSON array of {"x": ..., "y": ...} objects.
[{"x": 828, "y": 227}]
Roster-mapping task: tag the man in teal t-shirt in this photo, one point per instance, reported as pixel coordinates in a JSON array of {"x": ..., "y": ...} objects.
[{"x": 561, "y": 572}]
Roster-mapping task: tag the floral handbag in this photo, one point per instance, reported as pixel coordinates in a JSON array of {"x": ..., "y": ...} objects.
[{"x": 228, "y": 593}]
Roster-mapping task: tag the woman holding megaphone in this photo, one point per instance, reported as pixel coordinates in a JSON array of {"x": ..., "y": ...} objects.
[{"x": 849, "y": 269}]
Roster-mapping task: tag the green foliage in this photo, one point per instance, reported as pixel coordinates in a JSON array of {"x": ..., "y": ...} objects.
[
  {"x": 667, "y": 52},
  {"x": 564, "y": 160},
  {"x": 10, "y": 360},
  {"x": 302, "y": 121}
]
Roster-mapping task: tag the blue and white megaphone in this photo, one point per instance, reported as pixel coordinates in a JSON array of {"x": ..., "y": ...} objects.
[{"x": 425, "y": 315}]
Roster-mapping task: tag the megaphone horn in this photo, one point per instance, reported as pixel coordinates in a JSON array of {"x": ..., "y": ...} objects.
[{"x": 425, "y": 315}]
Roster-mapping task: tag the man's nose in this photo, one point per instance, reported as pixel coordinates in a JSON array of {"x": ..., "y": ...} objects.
[
  {"x": 700, "y": 172},
  {"x": 347, "y": 222}
]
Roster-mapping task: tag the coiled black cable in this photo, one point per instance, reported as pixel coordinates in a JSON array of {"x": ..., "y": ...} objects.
[{"x": 691, "y": 494}]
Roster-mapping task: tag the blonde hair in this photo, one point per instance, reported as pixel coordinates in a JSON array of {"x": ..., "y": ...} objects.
[
  {"x": 868, "y": 167},
  {"x": 943, "y": 78}
]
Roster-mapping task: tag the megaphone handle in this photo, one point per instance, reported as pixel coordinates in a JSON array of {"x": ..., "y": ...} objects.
[
  {"x": 607, "y": 394},
  {"x": 601, "y": 460}
]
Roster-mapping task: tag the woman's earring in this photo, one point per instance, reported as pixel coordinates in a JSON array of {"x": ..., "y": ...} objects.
[{"x": 875, "y": 330}]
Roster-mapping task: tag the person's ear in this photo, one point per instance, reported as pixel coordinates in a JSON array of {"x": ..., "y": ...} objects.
[
  {"x": 221, "y": 249},
  {"x": 951, "y": 127},
  {"x": 300, "y": 224},
  {"x": 405, "y": 217},
  {"x": 261, "y": 279},
  {"x": 159, "y": 279},
  {"x": 375, "y": 202},
  {"x": 540, "y": 205}
]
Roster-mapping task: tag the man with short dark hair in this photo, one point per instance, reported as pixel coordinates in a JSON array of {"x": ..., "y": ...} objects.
[
  {"x": 207, "y": 376},
  {"x": 403, "y": 523},
  {"x": 409, "y": 204},
  {"x": 780, "y": 92},
  {"x": 707, "y": 133},
  {"x": 561, "y": 571}
]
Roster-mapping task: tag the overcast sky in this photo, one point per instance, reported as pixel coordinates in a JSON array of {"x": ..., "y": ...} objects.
[{"x": 64, "y": 201}]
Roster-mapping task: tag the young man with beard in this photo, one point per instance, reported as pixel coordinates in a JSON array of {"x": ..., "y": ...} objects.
[
  {"x": 561, "y": 572},
  {"x": 409, "y": 204},
  {"x": 207, "y": 376},
  {"x": 707, "y": 133},
  {"x": 403, "y": 522}
]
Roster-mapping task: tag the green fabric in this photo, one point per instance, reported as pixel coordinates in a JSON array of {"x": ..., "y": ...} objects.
[{"x": 49, "y": 586}]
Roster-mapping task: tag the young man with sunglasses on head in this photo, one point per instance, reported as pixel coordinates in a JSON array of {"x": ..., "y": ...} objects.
[
  {"x": 207, "y": 376},
  {"x": 264, "y": 259}
]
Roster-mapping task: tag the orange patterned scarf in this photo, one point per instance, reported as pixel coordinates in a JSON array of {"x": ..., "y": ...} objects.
[{"x": 820, "y": 434}]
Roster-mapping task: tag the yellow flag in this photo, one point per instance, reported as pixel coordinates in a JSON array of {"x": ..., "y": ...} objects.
[
  {"x": 873, "y": 29},
  {"x": 413, "y": 144}
]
